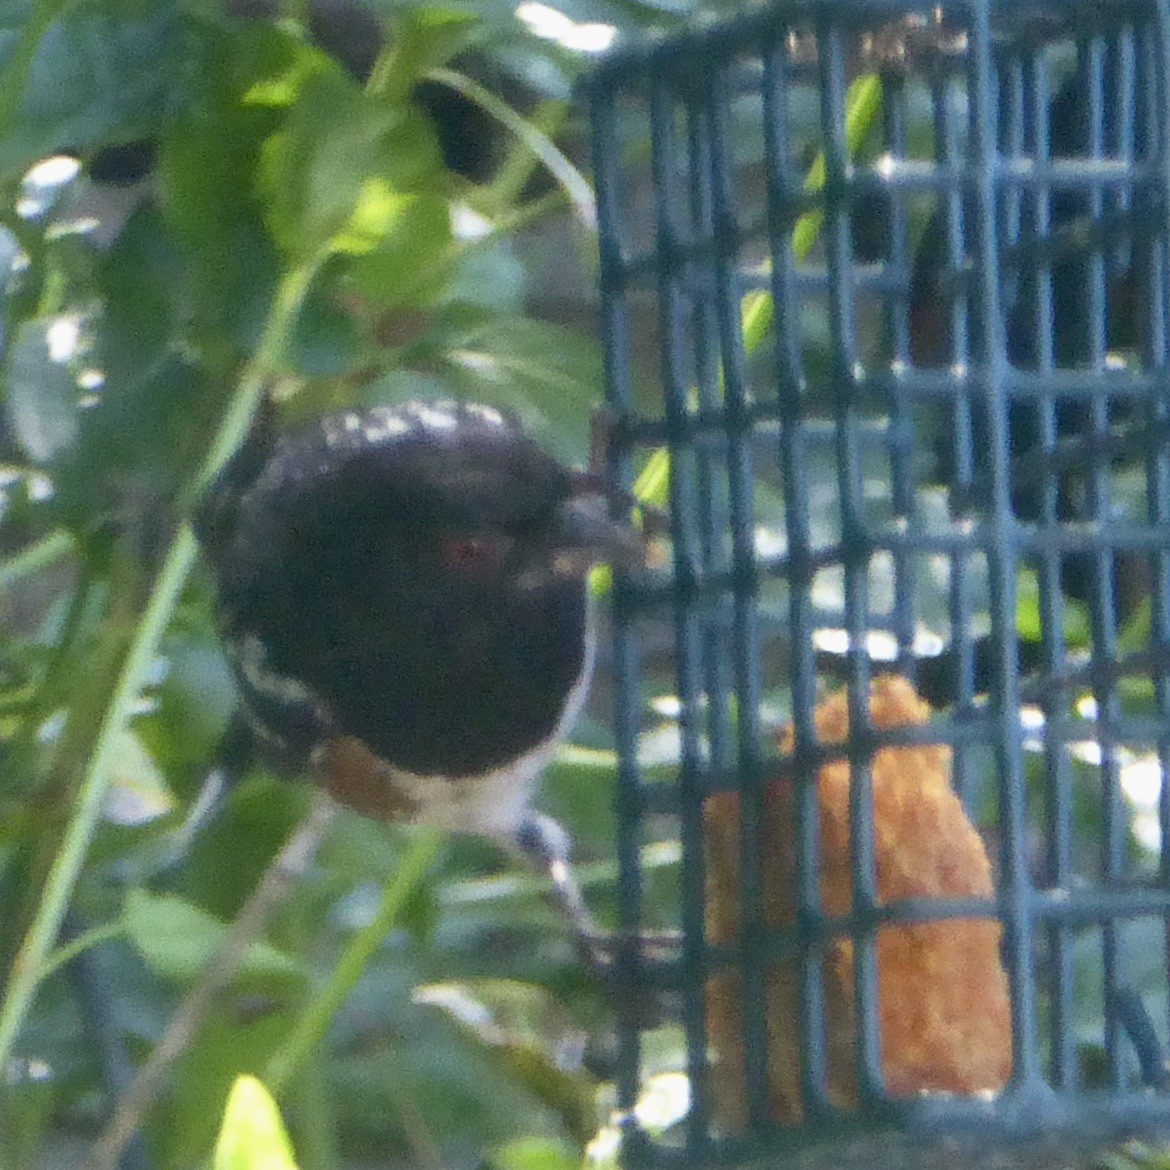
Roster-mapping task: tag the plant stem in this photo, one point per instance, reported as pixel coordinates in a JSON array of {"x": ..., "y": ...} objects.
[
  {"x": 112, "y": 720},
  {"x": 513, "y": 174},
  {"x": 315, "y": 1020},
  {"x": 575, "y": 185},
  {"x": 45, "y": 552},
  {"x": 285, "y": 870},
  {"x": 89, "y": 938},
  {"x": 42, "y": 933}
]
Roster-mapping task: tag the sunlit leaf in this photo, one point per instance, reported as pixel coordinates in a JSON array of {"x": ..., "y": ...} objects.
[
  {"x": 240, "y": 1035},
  {"x": 335, "y": 142},
  {"x": 1029, "y": 624},
  {"x": 399, "y": 242},
  {"x": 253, "y": 1136},
  {"x": 533, "y": 1153}
]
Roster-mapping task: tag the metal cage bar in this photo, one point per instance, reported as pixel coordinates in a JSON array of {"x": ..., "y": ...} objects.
[{"x": 917, "y": 416}]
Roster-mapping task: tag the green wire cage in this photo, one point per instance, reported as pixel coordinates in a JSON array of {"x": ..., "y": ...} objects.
[{"x": 886, "y": 289}]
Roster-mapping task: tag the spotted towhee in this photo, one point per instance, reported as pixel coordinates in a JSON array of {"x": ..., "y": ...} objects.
[{"x": 403, "y": 596}]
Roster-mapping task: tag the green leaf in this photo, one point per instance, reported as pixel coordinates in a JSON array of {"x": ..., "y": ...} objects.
[
  {"x": 403, "y": 385},
  {"x": 177, "y": 939},
  {"x": 312, "y": 170},
  {"x": 420, "y": 1065},
  {"x": 398, "y": 241},
  {"x": 149, "y": 427},
  {"x": 551, "y": 376},
  {"x": 198, "y": 194},
  {"x": 214, "y": 208},
  {"x": 140, "y": 278},
  {"x": 491, "y": 278},
  {"x": 229, "y": 856},
  {"x": 195, "y": 701},
  {"x": 536, "y": 1153},
  {"x": 253, "y": 1136},
  {"x": 42, "y": 395},
  {"x": 1077, "y": 626},
  {"x": 318, "y": 172},
  {"x": 520, "y": 1023},
  {"x": 543, "y": 73},
  {"x": 326, "y": 339},
  {"x": 422, "y": 39},
  {"x": 96, "y": 78}
]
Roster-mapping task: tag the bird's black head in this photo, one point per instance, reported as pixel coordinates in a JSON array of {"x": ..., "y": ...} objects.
[{"x": 413, "y": 577}]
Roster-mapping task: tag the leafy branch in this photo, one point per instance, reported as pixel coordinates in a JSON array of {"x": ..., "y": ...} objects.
[{"x": 104, "y": 735}]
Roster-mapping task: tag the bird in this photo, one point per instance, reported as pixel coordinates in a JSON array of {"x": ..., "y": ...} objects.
[{"x": 403, "y": 596}]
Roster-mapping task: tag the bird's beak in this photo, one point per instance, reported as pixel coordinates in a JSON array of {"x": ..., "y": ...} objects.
[{"x": 586, "y": 533}]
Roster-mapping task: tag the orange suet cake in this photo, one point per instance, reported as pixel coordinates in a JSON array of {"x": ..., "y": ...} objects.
[{"x": 944, "y": 1012}]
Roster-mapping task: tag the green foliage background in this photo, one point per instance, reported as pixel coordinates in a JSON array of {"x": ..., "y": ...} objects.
[{"x": 298, "y": 234}]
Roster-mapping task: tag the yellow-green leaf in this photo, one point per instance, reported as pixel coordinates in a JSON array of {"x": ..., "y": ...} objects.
[{"x": 252, "y": 1136}]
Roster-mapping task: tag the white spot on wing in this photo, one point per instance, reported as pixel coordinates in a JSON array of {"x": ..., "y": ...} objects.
[
  {"x": 487, "y": 414},
  {"x": 374, "y": 426},
  {"x": 380, "y": 425},
  {"x": 439, "y": 418},
  {"x": 252, "y": 659}
]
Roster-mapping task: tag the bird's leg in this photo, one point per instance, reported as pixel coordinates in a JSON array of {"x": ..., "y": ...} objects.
[{"x": 546, "y": 845}]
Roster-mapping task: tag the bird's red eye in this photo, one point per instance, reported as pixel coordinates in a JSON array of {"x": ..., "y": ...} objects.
[{"x": 470, "y": 553}]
